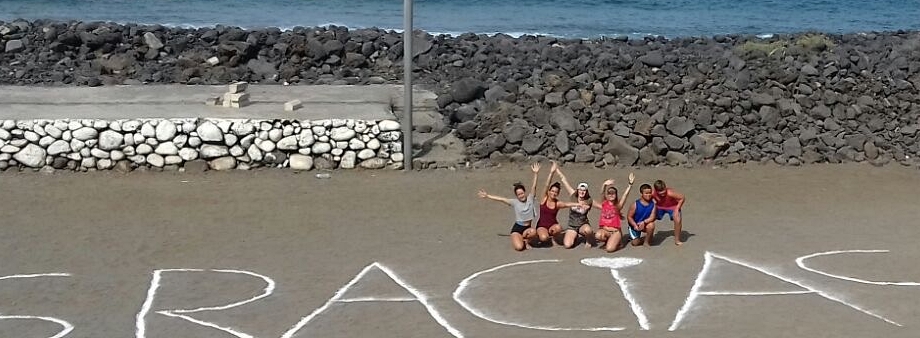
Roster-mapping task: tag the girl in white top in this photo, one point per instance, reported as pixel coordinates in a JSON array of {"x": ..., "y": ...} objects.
[{"x": 578, "y": 214}]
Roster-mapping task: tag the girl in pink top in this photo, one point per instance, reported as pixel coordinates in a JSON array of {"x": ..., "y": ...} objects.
[{"x": 609, "y": 223}]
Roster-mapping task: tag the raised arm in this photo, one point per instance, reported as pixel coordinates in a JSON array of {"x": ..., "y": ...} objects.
[
  {"x": 549, "y": 177},
  {"x": 536, "y": 170},
  {"x": 565, "y": 182},
  {"x": 484, "y": 194},
  {"x": 597, "y": 204},
  {"x": 603, "y": 194},
  {"x": 632, "y": 178}
]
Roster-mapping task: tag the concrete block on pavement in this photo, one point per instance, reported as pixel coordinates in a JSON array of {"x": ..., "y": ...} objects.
[
  {"x": 293, "y": 105},
  {"x": 238, "y": 87},
  {"x": 236, "y": 100}
]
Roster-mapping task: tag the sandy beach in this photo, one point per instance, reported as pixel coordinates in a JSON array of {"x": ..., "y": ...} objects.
[{"x": 419, "y": 235}]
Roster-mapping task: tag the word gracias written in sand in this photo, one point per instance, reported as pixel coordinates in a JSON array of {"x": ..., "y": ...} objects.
[{"x": 616, "y": 265}]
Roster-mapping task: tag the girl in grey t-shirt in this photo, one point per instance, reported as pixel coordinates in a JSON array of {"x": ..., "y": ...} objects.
[{"x": 524, "y": 213}]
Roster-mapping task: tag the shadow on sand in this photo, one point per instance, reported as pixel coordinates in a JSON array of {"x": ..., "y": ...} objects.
[{"x": 658, "y": 239}]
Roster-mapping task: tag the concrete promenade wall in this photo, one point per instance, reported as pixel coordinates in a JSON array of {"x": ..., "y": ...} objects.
[{"x": 177, "y": 126}]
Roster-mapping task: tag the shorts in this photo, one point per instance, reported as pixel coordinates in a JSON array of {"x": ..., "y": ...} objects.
[
  {"x": 661, "y": 212},
  {"x": 519, "y": 228},
  {"x": 609, "y": 228},
  {"x": 545, "y": 226},
  {"x": 633, "y": 233},
  {"x": 576, "y": 228},
  {"x": 575, "y": 224}
]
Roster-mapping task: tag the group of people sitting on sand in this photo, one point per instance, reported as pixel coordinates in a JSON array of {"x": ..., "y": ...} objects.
[{"x": 654, "y": 203}]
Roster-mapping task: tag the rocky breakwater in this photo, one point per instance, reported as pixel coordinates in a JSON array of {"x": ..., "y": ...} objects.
[
  {"x": 790, "y": 99},
  {"x": 199, "y": 144}
]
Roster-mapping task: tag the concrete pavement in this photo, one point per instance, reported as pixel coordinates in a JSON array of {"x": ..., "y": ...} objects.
[{"x": 371, "y": 102}]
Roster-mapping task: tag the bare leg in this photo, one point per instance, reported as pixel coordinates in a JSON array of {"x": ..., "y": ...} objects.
[
  {"x": 588, "y": 234},
  {"x": 601, "y": 235},
  {"x": 613, "y": 241},
  {"x": 543, "y": 235},
  {"x": 637, "y": 241},
  {"x": 529, "y": 235},
  {"x": 677, "y": 226},
  {"x": 517, "y": 241},
  {"x": 650, "y": 233},
  {"x": 555, "y": 232},
  {"x": 570, "y": 237}
]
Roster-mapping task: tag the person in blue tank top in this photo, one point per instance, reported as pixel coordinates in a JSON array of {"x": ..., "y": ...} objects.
[{"x": 641, "y": 217}]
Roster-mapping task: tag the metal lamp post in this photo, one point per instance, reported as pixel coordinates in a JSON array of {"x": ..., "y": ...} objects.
[{"x": 407, "y": 81}]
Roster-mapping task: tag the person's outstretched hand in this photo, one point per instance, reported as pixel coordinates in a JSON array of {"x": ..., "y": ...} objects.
[
  {"x": 632, "y": 178},
  {"x": 482, "y": 193},
  {"x": 535, "y": 167}
]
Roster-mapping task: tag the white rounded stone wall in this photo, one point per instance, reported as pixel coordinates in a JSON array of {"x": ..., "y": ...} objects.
[{"x": 221, "y": 144}]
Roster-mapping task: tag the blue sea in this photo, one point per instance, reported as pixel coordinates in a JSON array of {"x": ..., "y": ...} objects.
[{"x": 561, "y": 18}]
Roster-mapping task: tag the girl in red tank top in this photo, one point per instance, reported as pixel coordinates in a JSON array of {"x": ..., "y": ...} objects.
[
  {"x": 547, "y": 214},
  {"x": 548, "y": 225}
]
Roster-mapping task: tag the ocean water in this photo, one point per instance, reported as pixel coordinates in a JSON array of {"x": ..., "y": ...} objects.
[{"x": 562, "y": 18}]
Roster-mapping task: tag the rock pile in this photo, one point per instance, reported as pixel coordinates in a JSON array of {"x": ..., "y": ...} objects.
[
  {"x": 171, "y": 144},
  {"x": 790, "y": 99}
]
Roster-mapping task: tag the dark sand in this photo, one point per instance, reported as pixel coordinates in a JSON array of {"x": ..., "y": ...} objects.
[{"x": 312, "y": 236}]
